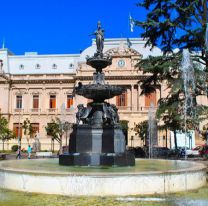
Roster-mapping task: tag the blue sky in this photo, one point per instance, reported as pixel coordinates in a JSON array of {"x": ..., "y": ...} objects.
[{"x": 63, "y": 26}]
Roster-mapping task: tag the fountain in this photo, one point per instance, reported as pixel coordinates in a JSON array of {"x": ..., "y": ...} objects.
[
  {"x": 99, "y": 140},
  {"x": 189, "y": 90},
  {"x": 97, "y": 163},
  {"x": 152, "y": 130}
]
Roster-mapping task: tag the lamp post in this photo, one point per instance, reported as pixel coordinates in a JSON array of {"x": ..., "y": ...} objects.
[{"x": 19, "y": 105}]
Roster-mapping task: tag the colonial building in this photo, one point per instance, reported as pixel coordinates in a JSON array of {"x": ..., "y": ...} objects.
[{"x": 40, "y": 88}]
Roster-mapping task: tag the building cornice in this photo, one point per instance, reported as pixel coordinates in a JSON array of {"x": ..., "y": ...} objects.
[
  {"x": 133, "y": 77},
  {"x": 44, "y": 81}
]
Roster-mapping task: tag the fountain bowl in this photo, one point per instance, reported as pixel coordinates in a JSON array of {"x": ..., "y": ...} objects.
[
  {"x": 99, "y": 63},
  {"x": 147, "y": 177},
  {"x": 99, "y": 92}
]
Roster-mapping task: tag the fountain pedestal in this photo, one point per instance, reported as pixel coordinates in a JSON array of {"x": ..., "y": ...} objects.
[{"x": 94, "y": 146}]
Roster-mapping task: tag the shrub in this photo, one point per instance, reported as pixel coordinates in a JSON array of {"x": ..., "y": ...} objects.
[{"x": 14, "y": 148}]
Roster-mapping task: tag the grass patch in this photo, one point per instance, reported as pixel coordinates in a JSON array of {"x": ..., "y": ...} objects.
[{"x": 9, "y": 198}]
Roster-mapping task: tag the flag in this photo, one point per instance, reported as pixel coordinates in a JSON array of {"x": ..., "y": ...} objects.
[{"x": 132, "y": 23}]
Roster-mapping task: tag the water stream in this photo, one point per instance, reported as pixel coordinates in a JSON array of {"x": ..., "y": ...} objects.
[{"x": 188, "y": 76}]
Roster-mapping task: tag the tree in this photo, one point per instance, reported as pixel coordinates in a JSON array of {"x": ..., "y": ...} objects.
[
  {"x": 5, "y": 133},
  {"x": 125, "y": 128},
  {"x": 56, "y": 129},
  {"x": 67, "y": 127},
  {"x": 176, "y": 24},
  {"x": 28, "y": 130},
  {"x": 169, "y": 25},
  {"x": 141, "y": 130}
]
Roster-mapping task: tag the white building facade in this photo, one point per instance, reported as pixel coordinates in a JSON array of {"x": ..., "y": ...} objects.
[{"x": 40, "y": 87}]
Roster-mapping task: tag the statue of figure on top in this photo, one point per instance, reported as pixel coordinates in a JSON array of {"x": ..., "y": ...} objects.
[{"x": 99, "y": 33}]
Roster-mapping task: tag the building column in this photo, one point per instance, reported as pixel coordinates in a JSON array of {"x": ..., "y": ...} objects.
[
  {"x": 132, "y": 96},
  {"x": 138, "y": 97}
]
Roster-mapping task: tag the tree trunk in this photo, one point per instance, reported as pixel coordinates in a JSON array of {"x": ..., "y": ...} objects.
[
  {"x": 175, "y": 140},
  {"x": 61, "y": 149},
  {"x": 66, "y": 137},
  {"x": 3, "y": 145}
]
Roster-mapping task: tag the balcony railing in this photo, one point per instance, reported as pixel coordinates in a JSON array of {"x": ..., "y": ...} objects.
[
  {"x": 52, "y": 110},
  {"x": 124, "y": 108},
  {"x": 18, "y": 110},
  {"x": 35, "y": 110}
]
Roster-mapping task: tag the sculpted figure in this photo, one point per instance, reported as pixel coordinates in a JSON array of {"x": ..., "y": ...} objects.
[
  {"x": 110, "y": 113},
  {"x": 83, "y": 113},
  {"x": 99, "y": 39}
]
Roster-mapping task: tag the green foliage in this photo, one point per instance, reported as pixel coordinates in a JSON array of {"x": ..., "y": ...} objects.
[
  {"x": 56, "y": 128},
  {"x": 5, "y": 132},
  {"x": 169, "y": 25},
  {"x": 141, "y": 129},
  {"x": 124, "y": 124},
  {"x": 53, "y": 129},
  {"x": 176, "y": 24},
  {"x": 14, "y": 148}
]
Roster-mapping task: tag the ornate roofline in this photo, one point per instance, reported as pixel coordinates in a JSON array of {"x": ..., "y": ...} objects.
[{"x": 122, "y": 51}]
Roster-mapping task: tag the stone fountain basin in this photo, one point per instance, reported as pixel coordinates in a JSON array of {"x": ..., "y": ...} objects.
[
  {"x": 98, "y": 91},
  {"x": 147, "y": 177}
]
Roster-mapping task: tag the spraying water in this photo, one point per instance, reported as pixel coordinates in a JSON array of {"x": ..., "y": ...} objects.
[
  {"x": 189, "y": 88},
  {"x": 206, "y": 38},
  {"x": 152, "y": 129}
]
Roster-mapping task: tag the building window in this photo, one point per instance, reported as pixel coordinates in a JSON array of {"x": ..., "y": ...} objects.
[
  {"x": 71, "y": 66},
  {"x": 121, "y": 100},
  {"x": 19, "y": 102},
  {"x": 21, "y": 66},
  {"x": 16, "y": 130},
  {"x": 35, "y": 101},
  {"x": 52, "y": 103},
  {"x": 69, "y": 101},
  {"x": 37, "y": 66},
  {"x": 54, "y": 66},
  {"x": 150, "y": 99}
]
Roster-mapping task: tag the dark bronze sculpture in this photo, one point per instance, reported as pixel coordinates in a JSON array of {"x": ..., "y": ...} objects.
[
  {"x": 99, "y": 39},
  {"x": 97, "y": 137},
  {"x": 83, "y": 113}
]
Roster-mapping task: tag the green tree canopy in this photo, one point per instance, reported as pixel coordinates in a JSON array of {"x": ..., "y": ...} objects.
[
  {"x": 169, "y": 25},
  {"x": 141, "y": 129},
  {"x": 5, "y": 133},
  {"x": 176, "y": 24}
]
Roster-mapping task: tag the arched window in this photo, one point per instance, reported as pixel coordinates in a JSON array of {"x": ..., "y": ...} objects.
[
  {"x": 71, "y": 66},
  {"x": 21, "y": 66},
  {"x": 69, "y": 101},
  {"x": 150, "y": 99},
  {"x": 54, "y": 66},
  {"x": 121, "y": 100},
  {"x": 37, "y": 66}
]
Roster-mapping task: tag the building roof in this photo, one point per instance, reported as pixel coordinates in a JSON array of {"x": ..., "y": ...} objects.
[{"x": 33, "y": 63}]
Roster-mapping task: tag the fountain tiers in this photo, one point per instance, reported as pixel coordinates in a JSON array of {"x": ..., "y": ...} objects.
[{"x": 99, "y": 140}]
